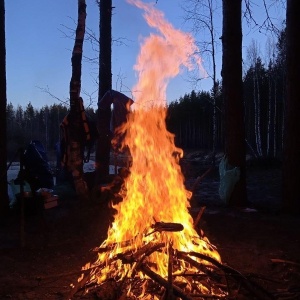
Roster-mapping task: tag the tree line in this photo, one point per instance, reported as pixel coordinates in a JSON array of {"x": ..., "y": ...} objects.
[
  {"x": 25, "y": 124},
  {"x": 256, "y": 109},
  {"x": 190, "y": 118}
]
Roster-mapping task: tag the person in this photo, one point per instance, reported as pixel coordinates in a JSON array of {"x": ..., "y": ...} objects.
[{"x": 37, "y": 170}]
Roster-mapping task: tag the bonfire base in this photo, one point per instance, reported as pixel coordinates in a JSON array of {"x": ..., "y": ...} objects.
[{"x": 204, "y": 278}]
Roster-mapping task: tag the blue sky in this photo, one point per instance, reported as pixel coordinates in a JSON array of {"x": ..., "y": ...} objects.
[{"x": 38, "y": 53}]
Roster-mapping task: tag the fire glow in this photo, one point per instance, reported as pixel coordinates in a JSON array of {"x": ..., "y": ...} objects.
[{"x": 154, "y": 210}]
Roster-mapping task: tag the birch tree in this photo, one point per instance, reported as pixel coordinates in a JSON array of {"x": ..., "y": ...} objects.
[
  {"x": 271, "y": 148},
  {"x": 74, "y": 162},
  {"x": 253, "y": 56},
  {"x": 202, "y": 15}
]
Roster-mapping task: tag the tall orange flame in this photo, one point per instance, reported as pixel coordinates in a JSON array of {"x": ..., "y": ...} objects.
[
  {"x": 155, "y": 190},
  {"x": 161, "y": 57}
]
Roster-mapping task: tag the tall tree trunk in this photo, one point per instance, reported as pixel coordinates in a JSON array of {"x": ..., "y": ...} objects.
[
  {"x": 214, "y": 120},
  {"x": 46, "y": 128},
  {"x": 4, "y": 204},
  {"x": 105, "y": 75},
  {"x": 105, "y": 84},
  {"x": 275, "y": 123},
  {"x": 235, "y": 148},
  {"x": 76, "y": 138},
  {"x": 75, "y": 83},
  {"x": 257, "y": 113},
  {"x": 283, "y": 116},
  {"x": 291, "y": 161},
  {"x": 269, "y": 114}
]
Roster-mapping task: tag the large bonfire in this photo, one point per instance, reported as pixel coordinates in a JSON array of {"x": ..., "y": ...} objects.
[{"x": 153, "y": 214}]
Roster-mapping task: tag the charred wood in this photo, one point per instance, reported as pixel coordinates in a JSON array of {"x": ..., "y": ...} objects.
[{"x": 160, "y": 280}]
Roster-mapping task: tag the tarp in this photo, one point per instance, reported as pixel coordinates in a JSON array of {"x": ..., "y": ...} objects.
[
  {"x": 229, "y": 176},
  {"x": 37, "y": 167}
]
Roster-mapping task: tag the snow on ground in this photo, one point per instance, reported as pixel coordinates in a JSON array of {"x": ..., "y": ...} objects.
[
  {"x": 13, "y": 171},
  {"x": 14, "y": 168}
]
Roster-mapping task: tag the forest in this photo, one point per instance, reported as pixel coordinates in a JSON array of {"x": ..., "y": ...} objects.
[
  {"x": 157, "y": 227},
  {"x": 190, "y": 118},
  {"x": 252, "y": 110}
]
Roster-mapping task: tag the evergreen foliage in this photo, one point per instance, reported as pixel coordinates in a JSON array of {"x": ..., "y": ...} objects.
[
  {"x": 26, "y": 124},
  {"x": 190, "y": 118}
]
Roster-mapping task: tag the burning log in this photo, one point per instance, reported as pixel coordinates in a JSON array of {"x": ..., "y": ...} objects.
[
  {"x": 176, "y": 290},
  {"x": 258, "y": 291},
  {"x": 155, "y": 261},
  {"x": 162, "y": 226},
  {"x": 170, "y": 273},
  {"x": 199, "y": 215},
  {"x": 278, "y": 260},
  {"x": 206, "y": 272},
  {"x": 138, "y": 262},
  {"x": 143, "y": 252},
  {"x": 112, "y": 246}
]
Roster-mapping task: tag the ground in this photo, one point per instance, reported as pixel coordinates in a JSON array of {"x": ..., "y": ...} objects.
[{"x": 258, "y": 239}]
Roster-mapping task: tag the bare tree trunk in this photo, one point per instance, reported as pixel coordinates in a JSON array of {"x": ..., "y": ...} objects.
[
  {"x": 283, "y": 119},
  {"x": 76, "y": 138},
  {"x": 105, "y": 76},
  {"x": 291, "y": 161},
  {"x": 202, "y": 14},
  {"x": 4, "y": 204},
  {"x": 235, "y": 148},
  {"x": 269, "y": 115},
  {"x": 256, "y": 112},
  {"x": 214, "y": 125},
  {"x": 271, "y": 53},
  {"x": 103, "y": 146},
  {"x": 46, "y": 128},
  {"x": 258, "y": 115},
  {"x": 275, "y": 122},
  {"x": 252, "y": 53},
  {"x": 215, "y": 84}
]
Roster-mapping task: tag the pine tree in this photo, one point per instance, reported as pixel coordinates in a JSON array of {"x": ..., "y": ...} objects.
[{"x": 235, "y": 148}]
